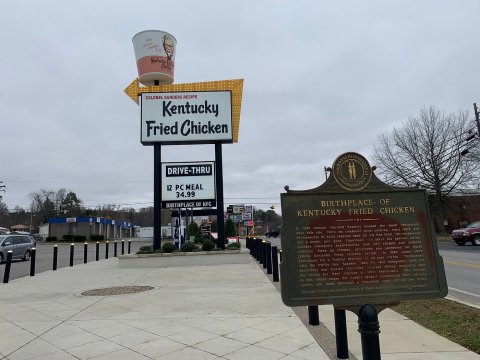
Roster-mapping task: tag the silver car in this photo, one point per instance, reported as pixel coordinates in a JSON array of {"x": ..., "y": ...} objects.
[{"x": 21, "y": 246}]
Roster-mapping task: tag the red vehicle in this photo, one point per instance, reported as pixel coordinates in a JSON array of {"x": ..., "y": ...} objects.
[{"x": 470, "y": 233}]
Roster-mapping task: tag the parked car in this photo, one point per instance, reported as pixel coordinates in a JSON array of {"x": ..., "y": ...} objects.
[
  {"x": 273, "y": 233},
  {"x": 470, "y": 233},
  {"x": 21, "y": 246}
]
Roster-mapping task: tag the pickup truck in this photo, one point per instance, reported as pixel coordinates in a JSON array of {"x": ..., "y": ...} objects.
[{"x": 273, "y": 233}]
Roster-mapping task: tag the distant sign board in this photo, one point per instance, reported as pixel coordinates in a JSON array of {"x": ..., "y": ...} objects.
[
  {"x": 186, "y": 117},
  {"x": 355, "y": 240},
  {"x": 246, "y": 216},
  {"x": 188, "y": 185}
]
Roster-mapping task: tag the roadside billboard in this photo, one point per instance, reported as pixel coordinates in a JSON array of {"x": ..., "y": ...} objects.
[
  {"x": 186, "y": 117},
  {"x": 188, "y": 185}
]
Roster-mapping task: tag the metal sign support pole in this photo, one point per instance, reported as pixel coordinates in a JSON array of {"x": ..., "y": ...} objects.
[
  {"x": 157, "y": 196},
  {"x": 220, "y": 205}
]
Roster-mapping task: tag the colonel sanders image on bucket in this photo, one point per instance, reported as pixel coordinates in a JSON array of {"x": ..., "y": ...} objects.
[{"x": 155, "y": 55}]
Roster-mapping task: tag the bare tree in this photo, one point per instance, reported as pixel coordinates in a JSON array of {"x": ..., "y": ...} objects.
[
  {"x": 426, "y": 151},
  {"x": 42, "y": 204}
]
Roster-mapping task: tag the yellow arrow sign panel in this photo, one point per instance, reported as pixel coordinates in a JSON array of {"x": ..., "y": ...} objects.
[{"x": 134, "y": 90}]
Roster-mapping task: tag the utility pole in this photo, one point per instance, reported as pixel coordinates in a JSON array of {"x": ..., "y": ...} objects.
[
  {"x": 477, "y": 117},
  {"x": 2, "y": 188}
]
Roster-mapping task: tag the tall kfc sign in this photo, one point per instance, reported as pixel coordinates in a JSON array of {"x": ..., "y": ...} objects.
[{"x": 179, "y": 117}]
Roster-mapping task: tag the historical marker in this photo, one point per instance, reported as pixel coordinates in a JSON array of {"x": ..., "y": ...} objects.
[{"x": 355, "y": 240}]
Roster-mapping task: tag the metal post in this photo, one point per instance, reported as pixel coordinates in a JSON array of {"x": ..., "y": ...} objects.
[
  {"x": 85, "y": 253},
  {"x": 369, "y": 328},
  {"x": 341, "y": 333},
  {"x": 6, "y": 274},
  {"x": 313, "y": 318},
  {"x": 55, "y": 256},
  {"x": 32, "y": 261},
  {"x": 115, "y": 249},
  {"x": 106, "y": 249},
  {"x": 129, "y": 245},
  {"x": 274, "y": 264},
  {"x": 268, "y": 253},
  {"x": 72, "y": 246},
  {"x": 157, "y": 197},
  {"x": 220, "y": 204},
  {"x": 123, "y": 247},
  {"x": 97, "y": 251},
  {"x": 281, "y": 255}
]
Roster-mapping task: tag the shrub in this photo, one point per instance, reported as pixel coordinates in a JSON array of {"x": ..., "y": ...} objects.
[
  {"x": 51, "y": 239},
  {"x": 230, "y": 228},
  {"x": 187, "y": 247},
  {"x": 169, "y": 247},
  {"x": 208, "y": 245},
  {"x": 233, "y": 246},
  {"x": 79, "y": 238},
  {"x": 97, "y": 237},
  {"x": 67, "y": 237},
  {"x": 145, "y": 250}
]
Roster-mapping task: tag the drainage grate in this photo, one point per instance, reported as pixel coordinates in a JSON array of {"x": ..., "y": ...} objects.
[{"x": 117, "y": 290}]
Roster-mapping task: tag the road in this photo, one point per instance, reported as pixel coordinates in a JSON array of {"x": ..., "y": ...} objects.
[
  {"x": 44, "y": 257},
  {"x": 462, "y": 269}
]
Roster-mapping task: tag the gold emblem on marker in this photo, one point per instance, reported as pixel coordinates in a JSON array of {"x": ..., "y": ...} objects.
[{"x": 352, "y": 171}]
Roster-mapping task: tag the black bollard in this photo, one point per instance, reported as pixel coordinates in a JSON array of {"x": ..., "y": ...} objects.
[
  {"x": 281, "y": 255},
  {"x": 72, "y": 247},
  {"x": 106, "y": 249},
  {"x": 369, "y": 328},
  {"x": 85, "y": 253},
  {"x": 129, "y": 245},
  {"x": 259, "y": 249},
  {"x": 255, "y": 248},
  {"x": 274, "y": 264},
  {"x": 115, "y": 248},
  {"x": 268, "y": 254},
  {"x": 8, "y": 264},
  {"x": 32, "y": 261},
  {"x": 55, "y": 256},
  {"x": 97, "y": 251},
  {"x": 313, "y": 318},
  {"x": 264, "y": 254},
  {"x": 123, "y": 247},
  {"x": 341, "y": 333}
]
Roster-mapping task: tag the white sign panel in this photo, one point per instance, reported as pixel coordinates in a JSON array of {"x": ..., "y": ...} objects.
[
  {"x": 180, "y": 117},
  {"x": 246, "y": 216},
  {"x": 188, "y": 185}
]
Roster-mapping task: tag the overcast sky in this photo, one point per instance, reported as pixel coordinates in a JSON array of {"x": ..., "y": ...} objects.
[{"x": 320, "y": 78}]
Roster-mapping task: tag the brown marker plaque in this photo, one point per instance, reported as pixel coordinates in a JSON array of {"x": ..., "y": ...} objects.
[{"x": 355, "y": 240}]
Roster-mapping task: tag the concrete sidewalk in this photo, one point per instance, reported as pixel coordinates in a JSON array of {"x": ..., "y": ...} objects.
[
  {"x": 192, "y": 312},
  {"x": 197, "y": 312}
]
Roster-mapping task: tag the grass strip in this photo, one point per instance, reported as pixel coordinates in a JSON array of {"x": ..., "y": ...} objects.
[{"x": 457, "y": 322}]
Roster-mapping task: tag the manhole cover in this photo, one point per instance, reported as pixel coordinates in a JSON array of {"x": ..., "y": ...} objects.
[{"x": 117, "y": 290}]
